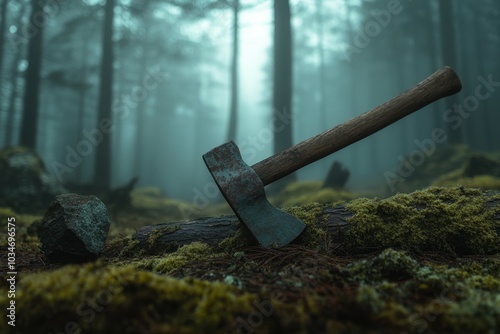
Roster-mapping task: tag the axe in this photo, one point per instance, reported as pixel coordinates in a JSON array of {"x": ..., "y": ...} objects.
[{"x": 243, "y": 186}]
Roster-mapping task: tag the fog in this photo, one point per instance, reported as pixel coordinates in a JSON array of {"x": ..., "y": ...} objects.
[{"x": 171, "y": 84}]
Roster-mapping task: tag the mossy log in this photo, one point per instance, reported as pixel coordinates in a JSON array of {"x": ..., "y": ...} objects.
[
  {"x": 336, "y": 221},
  {"x": 170, "y": 236}
]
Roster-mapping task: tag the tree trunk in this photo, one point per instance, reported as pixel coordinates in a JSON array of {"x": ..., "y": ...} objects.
[
  {"x": 233, "y": 113},
  {"x": 282, "y": 82},
  {"x": 140, "y": 114},
  {"x": 3, "y": 26},
  {"x": 322, "y": 67},
  {"x": 432, "y": 40},
  {"x": 11, "y": 109},
  {"x": 82, "y": 97},
  {"x": 102, "y": 166},
  {"x": 481, "y": 122},
  {"x": 170, "y": 236},
  {"x": 29, "y": 123},
  {"x": 448, "y": 54},
  {"x": 352, "y": 83}
]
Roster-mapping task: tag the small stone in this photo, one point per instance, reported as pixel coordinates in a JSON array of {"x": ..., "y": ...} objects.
[{"x": 74, "y": 228}]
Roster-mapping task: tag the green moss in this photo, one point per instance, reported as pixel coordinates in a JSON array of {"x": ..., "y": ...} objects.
[
  {"x": 8, "y": 152},
  {"x": 101, "y": 299},
  {"x": 478, "y": 313},
  {"x": 391, "y": 291},
  {"x": 306, "y": 192},
  {"x": 6, "y": 213},
  {"x": 195, "y": 251},
  {"x": 153, "y": 237},
  {"x": 390, "y": 265},
  {"x": 487, "y": 182},
  {"x": 452, "y": 220},
  {"x": 234, "y": 243},
  {"x": 315, "y": 235},
  {"x": 442, "y": 161},
  {"x": 397, "y": 293}
]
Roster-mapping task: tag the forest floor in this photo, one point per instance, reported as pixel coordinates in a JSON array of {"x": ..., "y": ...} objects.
[{"x": 414, "y": 284}]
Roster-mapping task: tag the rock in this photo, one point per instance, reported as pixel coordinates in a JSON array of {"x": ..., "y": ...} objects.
[
  {"x": 25, "y": 185},
  {"x": 74, "y": 228}
]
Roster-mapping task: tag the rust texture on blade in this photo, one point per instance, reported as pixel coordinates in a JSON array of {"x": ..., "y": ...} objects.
[{"x": 244, "y": 191}]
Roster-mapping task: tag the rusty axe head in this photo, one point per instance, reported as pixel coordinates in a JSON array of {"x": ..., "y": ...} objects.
[
  {"x": 244, "y": 191},
  {"x": 243, "y": 186}
]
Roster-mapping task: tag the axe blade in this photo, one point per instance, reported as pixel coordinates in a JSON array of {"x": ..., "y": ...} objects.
[{"x": 244, "y": 191}]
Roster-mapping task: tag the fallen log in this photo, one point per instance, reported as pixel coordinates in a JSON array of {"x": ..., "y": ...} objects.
[
  {"x": 335, "y": 220},
  {"x": 170, "y": 236}
]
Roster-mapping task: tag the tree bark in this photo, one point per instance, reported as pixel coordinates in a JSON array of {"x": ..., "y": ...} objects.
[
  {"x": 322, "y": 66},
  {"x": 233, "y": 113},
  {"x": 170, "y": 236},
  {"x": 448, "y": 55},
  {"x": 13, "y": 96},
  {"x": 29, "y": 125},
  {"x": 282, "y": 82},
  {"x": 82, "y": 97},
  {"x": 102, "y": 165},
  {"x": 3, "y": 25}
]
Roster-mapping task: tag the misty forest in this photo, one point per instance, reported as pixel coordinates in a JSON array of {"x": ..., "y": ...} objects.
[{"x": 116, "y": 123}]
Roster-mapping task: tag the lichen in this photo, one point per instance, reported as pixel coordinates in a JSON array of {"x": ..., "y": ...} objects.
[{"x": 451, "y": 220}]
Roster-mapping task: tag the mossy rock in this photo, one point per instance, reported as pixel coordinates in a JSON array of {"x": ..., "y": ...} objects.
[
  {"x": 306, "y": 192},
  {"x": 448, "y": 165},
  {"x": 479, "y": 171},
  {"x": 25, "y": 185}
]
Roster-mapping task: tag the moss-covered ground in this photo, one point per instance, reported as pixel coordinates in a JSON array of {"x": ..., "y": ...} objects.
[
  {"x": 454, "y": 165},
  {"x": 426, "y": 262}
]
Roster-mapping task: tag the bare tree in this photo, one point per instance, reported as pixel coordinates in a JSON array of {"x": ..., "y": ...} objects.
[
  {"x": 282, "y": 80},
  {"x": 29, "y": 125},
  {"x": 448, "y": 54},
  {"x": 3, "y": 25},
  {"x": 102, "y": 165},
  {"x": 233, "y": 115}
]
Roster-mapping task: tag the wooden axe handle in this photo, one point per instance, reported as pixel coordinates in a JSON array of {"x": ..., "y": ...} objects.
[{"x": 443, "y": 82}]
